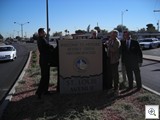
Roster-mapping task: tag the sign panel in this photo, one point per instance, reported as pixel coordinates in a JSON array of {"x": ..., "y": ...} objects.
[{"x": 80, "y": 65}]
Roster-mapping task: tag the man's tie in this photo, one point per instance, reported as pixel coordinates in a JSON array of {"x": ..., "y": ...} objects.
[{"x": 127, "y": 43}]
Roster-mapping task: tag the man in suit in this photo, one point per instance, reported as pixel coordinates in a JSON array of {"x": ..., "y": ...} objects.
[
  {"x": 107, "y": 76},
  {"x": 132, "y": 58},
  {"x": 44, "y": 49}
]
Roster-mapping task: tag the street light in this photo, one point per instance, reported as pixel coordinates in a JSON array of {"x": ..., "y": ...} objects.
[
  {"x": 158, "y": 20},
  {"x": 21, "y": 24},
  {"x": 122, "y": 13}
]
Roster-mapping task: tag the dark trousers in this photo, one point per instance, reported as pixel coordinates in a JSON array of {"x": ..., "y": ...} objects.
[
  {"x": 107, "y": 75},
  {"x": 44, "y": 81},
  {"x": 115, "y": 75},
  {"x": 130, "y": 69}
]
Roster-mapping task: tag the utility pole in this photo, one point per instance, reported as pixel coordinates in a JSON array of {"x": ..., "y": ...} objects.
[
  {"x": 158, "y": 20},
  {"x": 122, "y": 13},
  {"x": 47, "y": 20},
  {"x": 158, "y": 25}
]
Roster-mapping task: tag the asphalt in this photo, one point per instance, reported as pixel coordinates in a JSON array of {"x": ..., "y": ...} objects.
[
  {"x": 9, "y": 96},
  {"x": 152, "y": 58},
  {"x": 12, "y": 91}
]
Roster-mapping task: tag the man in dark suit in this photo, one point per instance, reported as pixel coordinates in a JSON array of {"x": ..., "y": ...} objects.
[
  {"x": 132, "y": 58},
  {"x": 44, "y": 50},
  {"x": 107, "y": 75}
]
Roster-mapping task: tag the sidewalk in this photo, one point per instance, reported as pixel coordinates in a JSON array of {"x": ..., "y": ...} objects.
[{"x": 151, "y": 57}]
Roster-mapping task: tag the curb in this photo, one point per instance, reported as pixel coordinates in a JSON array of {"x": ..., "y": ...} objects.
[
  {"x": 151, "y": 57},
  {"x": 12, "y": 91},
  {"x": 152, "y": 91}
]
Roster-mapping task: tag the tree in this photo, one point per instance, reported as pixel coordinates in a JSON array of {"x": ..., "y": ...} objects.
[
  {"x": 151, "y": 28},
  {"x": 18, "y": 37},
  {"x": 120, "y": 28},
  {"x": 57, "y": 34},
  {"x": 35, "y": 36},
  {"x": 1, "y": 37},
  {"x": 80, "y": 32},
  {"x": 98, "y": 29},
  {"x": 88, "y": 28},
  {"x": 104, "y": 31},
  {"x": 66, "y": 31},
  {"x": 142, "y": 30}
]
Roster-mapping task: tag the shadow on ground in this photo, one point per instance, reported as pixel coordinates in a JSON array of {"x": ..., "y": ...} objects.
[{"x": 56, "y": 106}]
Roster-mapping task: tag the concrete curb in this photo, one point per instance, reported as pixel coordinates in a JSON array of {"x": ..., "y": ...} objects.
[
  {"x": 151, "y": 57},
  {"x": 148, "y": 89},
  {"x": 12, "y": 91}
]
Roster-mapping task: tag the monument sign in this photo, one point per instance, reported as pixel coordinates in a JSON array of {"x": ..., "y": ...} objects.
[{"x": 80, "y": 65}]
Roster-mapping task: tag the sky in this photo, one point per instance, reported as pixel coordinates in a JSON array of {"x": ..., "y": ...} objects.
[{"x": 75, "y": 14}]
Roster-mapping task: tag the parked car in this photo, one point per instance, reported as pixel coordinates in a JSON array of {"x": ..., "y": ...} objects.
[
  {"x": 7, "y": 52},
  {"x": 159, "y": 42},
  {"x": 148, "y": 43}
]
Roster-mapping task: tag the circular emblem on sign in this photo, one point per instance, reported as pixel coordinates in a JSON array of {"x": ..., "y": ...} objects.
[{"x": 81, "y": 64}]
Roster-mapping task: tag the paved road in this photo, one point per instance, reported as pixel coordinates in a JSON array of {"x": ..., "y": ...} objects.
[
  {"x": 9, "y": 71},
  {"x": 151, "y": 69},
  {"x": 150, "y": 73}
]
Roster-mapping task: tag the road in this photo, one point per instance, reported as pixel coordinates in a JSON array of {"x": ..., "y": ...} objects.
[
  {"x": 150, "y": 70},
  {"x": 10, "y": 71},
  {"x": 150, "y": 73}
]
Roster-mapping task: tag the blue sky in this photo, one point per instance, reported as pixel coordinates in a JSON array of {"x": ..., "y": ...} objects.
[{"x": 75, "y": 14}]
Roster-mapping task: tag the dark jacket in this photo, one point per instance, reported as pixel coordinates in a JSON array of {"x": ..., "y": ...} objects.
[
  {"x": 133, "y": 54},
  {"x": 44, "y": 49}
]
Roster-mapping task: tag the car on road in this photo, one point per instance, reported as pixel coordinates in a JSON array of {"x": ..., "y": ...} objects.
[
  {"x": 159, "y": 42},
  {"x": 7, "y": 52},
  {"x": 148, "y": 43}
]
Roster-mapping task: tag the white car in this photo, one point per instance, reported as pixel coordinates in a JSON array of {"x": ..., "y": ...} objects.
[
  {"x": 7, "y": 52},
  {"x": 148, "y": 43}
]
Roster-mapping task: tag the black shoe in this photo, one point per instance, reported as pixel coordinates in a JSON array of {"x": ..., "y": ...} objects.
[
  {"x": 38, "y": 95},
  {"x": 139, "y": 88},
  {"x": 126, "y": 90},
  {"x": 47, "y": 93}
]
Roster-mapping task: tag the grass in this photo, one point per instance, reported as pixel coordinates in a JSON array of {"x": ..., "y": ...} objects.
[
  {"x": 127, "y": 110},
  {"x": 148, "y": 98},
  {"x": 87, "y": 106}
]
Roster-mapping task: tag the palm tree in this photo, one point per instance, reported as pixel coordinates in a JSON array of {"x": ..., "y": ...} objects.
[{"x": 66, "y": 31}]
